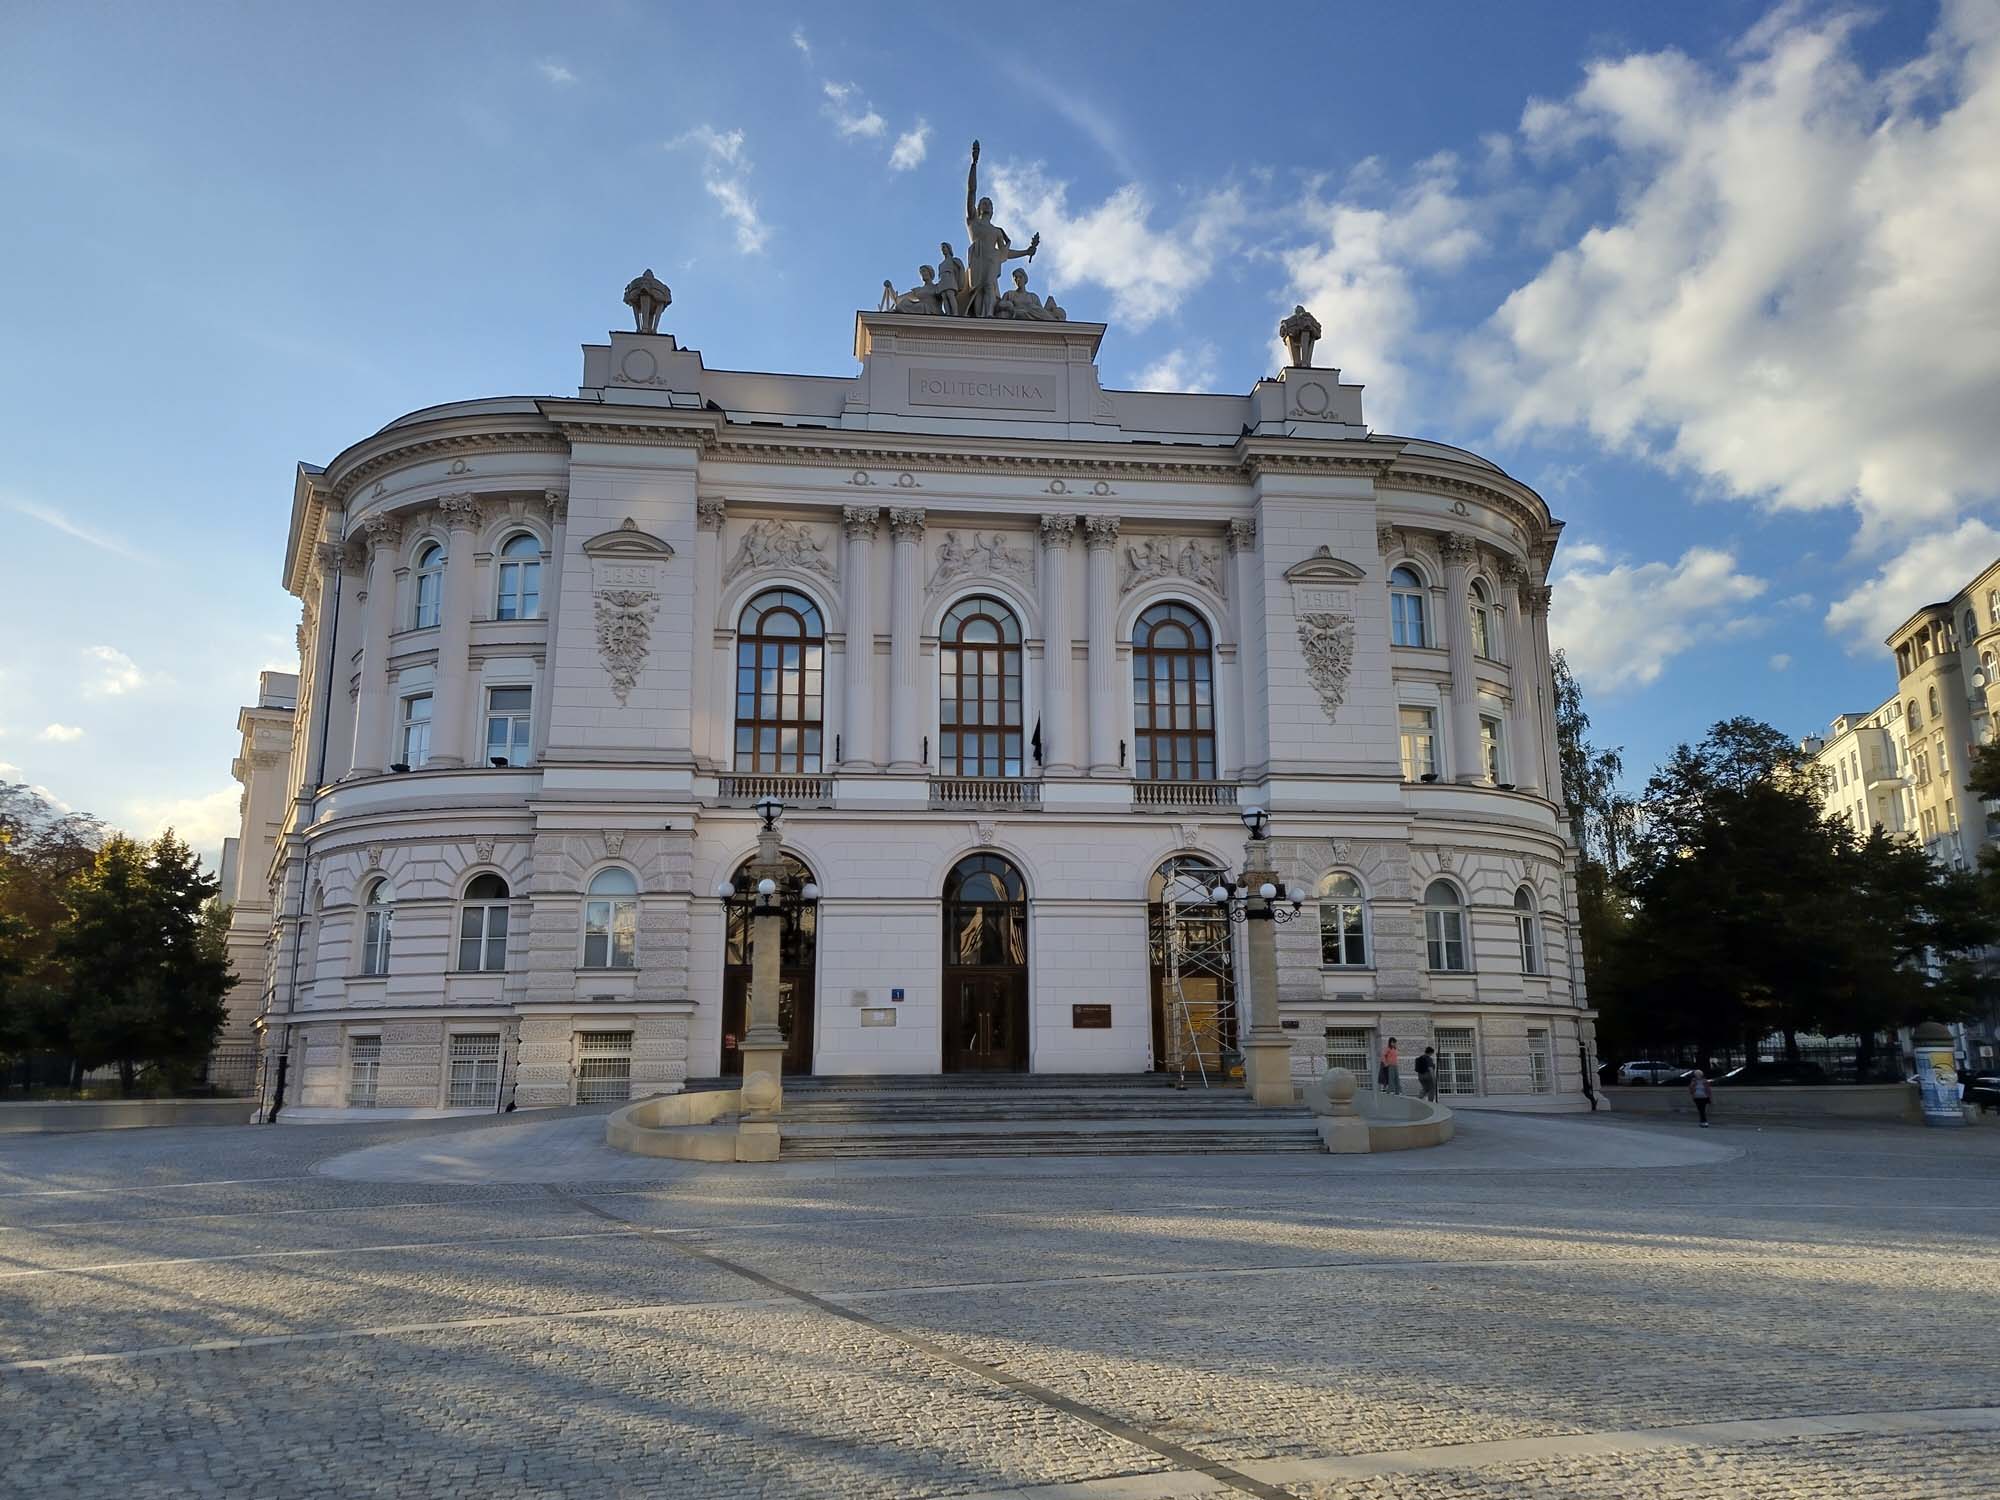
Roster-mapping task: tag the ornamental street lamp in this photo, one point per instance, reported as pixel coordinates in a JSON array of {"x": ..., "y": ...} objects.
[
  {"x": 1258, "y": 899},
  {"x": 763, "y": 1045}
]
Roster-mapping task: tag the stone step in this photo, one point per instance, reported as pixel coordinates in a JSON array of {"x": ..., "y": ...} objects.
[{"x": 1010, "y": 1143}]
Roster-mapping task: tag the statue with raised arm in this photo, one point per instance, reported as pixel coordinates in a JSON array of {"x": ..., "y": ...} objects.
[
  {"x": 1300, "y": 332},
  {"x": 987, "y": 249},
  {"x": 648, "y": 297}
]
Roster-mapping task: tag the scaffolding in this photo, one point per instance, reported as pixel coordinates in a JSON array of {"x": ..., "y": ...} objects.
[{"x": 1197, "y": 942}]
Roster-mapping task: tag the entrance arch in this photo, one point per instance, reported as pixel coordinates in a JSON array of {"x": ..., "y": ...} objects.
[
  {"x": 985, "y": 985},
  {"x": 1191, "y": 945},
  {"x": 797, "y": 951}
]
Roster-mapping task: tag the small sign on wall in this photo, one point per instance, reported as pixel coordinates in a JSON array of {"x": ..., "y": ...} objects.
[
  {"x": 1090, "y": 1017},
  {"x": 878, "y": 1016},
  {"x": 897, "y": 993}
]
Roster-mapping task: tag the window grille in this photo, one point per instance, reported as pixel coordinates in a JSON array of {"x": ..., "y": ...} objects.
[
  {"x": 603, "y": 1067},
  {"x": 364, "y": 1065},
  {"x": 1541, "y": 1075},
  {"x": 1457, "y": 1062},
  {"x": 1352, "y": 1048},
  {"x": 475, "y": 1071}
]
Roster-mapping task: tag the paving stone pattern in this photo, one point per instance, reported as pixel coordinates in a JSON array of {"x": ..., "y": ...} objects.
[{"x": 206, "y": 1312}]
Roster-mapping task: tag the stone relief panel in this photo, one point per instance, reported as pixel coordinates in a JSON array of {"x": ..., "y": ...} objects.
[
  {"x": 628, "y": 570},
  {"x": 1323, "y": 610},
  {"x": 1187, "y": 558},
  {"x": 780, "y": 544},
  {"x": 982, "y": 556}
]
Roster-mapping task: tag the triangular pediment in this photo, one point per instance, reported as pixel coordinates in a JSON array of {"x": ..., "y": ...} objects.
[
  {"x": 1324, "y": 567},
  {"x": 628, "y": 542}
]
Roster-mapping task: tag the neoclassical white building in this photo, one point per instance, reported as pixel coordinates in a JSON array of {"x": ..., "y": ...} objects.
[{"x": 1013, "y": 649}]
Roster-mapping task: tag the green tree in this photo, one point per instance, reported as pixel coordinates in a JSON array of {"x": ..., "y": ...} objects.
[
  {"x": 1601, "y": 820},
  {"x": 42, "y": 851},
  {"x": 144, "y": 974}
]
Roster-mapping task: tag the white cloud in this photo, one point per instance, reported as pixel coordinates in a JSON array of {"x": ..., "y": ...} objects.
[
  {"x": 725, "y": 174},
  {"x": 555, "y": 72},
  {"x": 1796, "y": 296},
  {"x": 117, "y": 673},
  {"x": 1780, "y": 661},
  {"x": 799, "y": 41},
  {"x": 8, "y": 770},
  {"x": 850, "y": 111},
  {"x": 60, "y": 734},
  {"x": 50, "y": 516},
  {"x": 1929, "y": 569},
  {"x": 1147, "y": 267},
  {"x": 1179, "y": 370},
  {"x": 911, "y": 147},
  {"x": 1621, "y": 624},
  {"x": 1359, "y": 274},
  {"x": 201, "y": 822}
]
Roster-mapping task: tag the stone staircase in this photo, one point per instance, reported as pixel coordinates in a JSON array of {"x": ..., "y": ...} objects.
[{"x": 1026, "y": 1115}]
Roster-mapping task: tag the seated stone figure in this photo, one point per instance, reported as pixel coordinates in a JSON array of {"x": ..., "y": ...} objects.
[
  {"x": 927, "y": 298},
  {"x": 1021, "y": 303}
]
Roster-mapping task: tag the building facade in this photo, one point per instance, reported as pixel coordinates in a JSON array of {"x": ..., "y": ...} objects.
[
  {"x": 1014, "y": 651},
  {"x": 263, "y": 766},
  {"x": 1863, "y": 761}
]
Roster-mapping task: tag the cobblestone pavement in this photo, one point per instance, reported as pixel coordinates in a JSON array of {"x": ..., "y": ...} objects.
[{"x": 1561, "y": 1307}]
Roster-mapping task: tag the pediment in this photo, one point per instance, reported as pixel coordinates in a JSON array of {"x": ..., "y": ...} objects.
[
  {"x": 628, "y": 544},
  {"x": 1324, "y": 567}
]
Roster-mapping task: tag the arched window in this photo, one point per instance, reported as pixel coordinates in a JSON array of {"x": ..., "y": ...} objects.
[
  {"x": 482, "y": 924},
  {"x": 1529, "y": 921},
  {"x": 611, "y": 921},
  {"x": 1993, "y": 605},
  {"x": 1971, "y": 628},
  {"x": 979, "y": 690},
  {"x": 1915, "y": 718},
  {"x": 1173, "y": 697},
  {"x": 430, "y": 586},
  {"x": 1343, "y": 922},
  {"x": 1932, "y": 699},
  {"x": 780, "y": 662},
  {"x": 1482, "y": 619},
  {"x": 1406, "y": 609},
  {"x": 520, "y": 592},
  {"x": 375, "y": 922},
  {"x": 985, "y": 914},
  {"x": 1444, "y": 928}
]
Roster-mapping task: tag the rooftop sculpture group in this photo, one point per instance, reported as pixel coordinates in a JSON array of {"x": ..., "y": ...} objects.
[{"x": 970, "y": 288}]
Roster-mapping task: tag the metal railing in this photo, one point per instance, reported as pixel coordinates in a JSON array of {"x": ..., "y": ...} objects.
[
  {"x": 965, "y": 791},
  {"x": 1183, "y": 794},
  {"x": 792, "y": 790}
]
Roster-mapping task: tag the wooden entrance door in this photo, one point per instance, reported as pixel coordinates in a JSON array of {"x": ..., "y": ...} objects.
[
  {"x": 985, "y": 1022},
  {"x": 794, "y": 1019}
]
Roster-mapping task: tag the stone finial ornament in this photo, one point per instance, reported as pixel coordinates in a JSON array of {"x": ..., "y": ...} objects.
[
  {"x": 1300, "y": 332},
  {"x": 648, "y": 297}
]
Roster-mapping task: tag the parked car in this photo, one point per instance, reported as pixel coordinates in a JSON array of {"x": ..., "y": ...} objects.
[
  {"x": 1650, "y": 1072},
  {"x": 1762, "y": 1073},
  {"x": 1983, "y": 1089}
]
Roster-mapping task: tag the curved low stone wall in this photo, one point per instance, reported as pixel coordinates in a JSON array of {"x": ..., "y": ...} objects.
[
  {"x": 38, "y": 1117},
  {"x": 681, "y": 1126},
  {"x": 1351, "y": 1123}
]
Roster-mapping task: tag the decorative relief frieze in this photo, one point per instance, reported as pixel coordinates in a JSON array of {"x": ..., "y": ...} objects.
[
  {"x": 710, "y": 514},
  {"x": 984, "y": 556},
  {"x": 780, "y": 544},
  {"x": 625, "y": 635},
  {"x": 1323, "y": 606},
  {"x": 1186, "y": 558}
]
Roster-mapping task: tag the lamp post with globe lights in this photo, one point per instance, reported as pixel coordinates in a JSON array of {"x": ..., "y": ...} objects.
[
  {"x": 763, "y": 1045},
  {"x": 1259, "y": 900}
]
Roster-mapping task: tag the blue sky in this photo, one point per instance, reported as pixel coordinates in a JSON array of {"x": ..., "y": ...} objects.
[{"x": 1722, "y": 280}]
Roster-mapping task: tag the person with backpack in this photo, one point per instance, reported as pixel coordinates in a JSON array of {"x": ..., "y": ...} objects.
[
  {"x": 1390, "y": 1076},
  {"x": 1698, "y": 1090},
  {"x": 1427, "y": 1074}
]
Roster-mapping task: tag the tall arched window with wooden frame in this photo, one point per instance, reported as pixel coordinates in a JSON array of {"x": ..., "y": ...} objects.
[
  {"x": 1173, "y": 696},
  {"x": 1407, "y": 625},
  {"x": 429, "y": 594},
  {"x": 780, "y": 670},
  {"x": 979, "y": 690}
]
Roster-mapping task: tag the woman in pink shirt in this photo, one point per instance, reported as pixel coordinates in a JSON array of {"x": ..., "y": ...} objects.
[{"x": 1390, "y": 1077}]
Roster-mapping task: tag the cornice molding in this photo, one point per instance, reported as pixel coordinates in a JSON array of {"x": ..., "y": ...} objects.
[{"x": 422, "y": 450}]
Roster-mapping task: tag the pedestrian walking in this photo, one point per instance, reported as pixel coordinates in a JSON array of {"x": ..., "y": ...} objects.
[
  {"x": 1427, "y": 1074},
  {"x": 1390, "y": 1077},
  {"x": 1699, "y": 1092}
]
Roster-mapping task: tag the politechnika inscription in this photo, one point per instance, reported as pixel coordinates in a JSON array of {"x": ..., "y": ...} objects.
[{"x": 1004, "y": 390}]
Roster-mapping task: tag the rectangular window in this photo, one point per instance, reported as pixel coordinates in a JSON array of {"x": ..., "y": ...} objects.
[
  {"x": 1489, "y": 747},
  {"x": 416, "y": 730},
  {"x": 603, "y": 1067},
  {"x": 1951, "y": 814},
  {"x": 482, "y": 938},
  {"x": 508, "y": 711},
  {"x": 1444, "y": 939},
  {"x": 1929, "y": 820},
  {"x": 375, "y": 941},
  {"x": 364, "y": 1064},
  {"x": 1406, "y": 620},
  {"x": 475, "y": 1071},
  {"x": 1541, "y": 1070},
  {"x": 1419, "y": 735},
  {"x": 610, "y": 934},
  {"x": 1352, "y": 1048},
  {"x": 1457, "y": 1062}
]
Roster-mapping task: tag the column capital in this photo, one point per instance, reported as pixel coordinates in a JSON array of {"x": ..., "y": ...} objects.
[
  {"x": 1386, "y": 539},
  {"x": 461, "y": 512},
  {"x": 1514, "y": 573},
  {"x": 860, "y": 522},
  {"x": 379, "y": 532},
  {"x": 907, "y": 524},
  {"x": 338, "y": 557},
  {"x": 557, "y": 505},
  {"x": 708, "y": 514},
  {"x": 1242, "y": 534},
  {"x": 1537, "y": 599},
  {"x": 1460, "y": 550},
  {"x": 1100, "y": 531},
  {"x": 1057, "y": 530}
]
